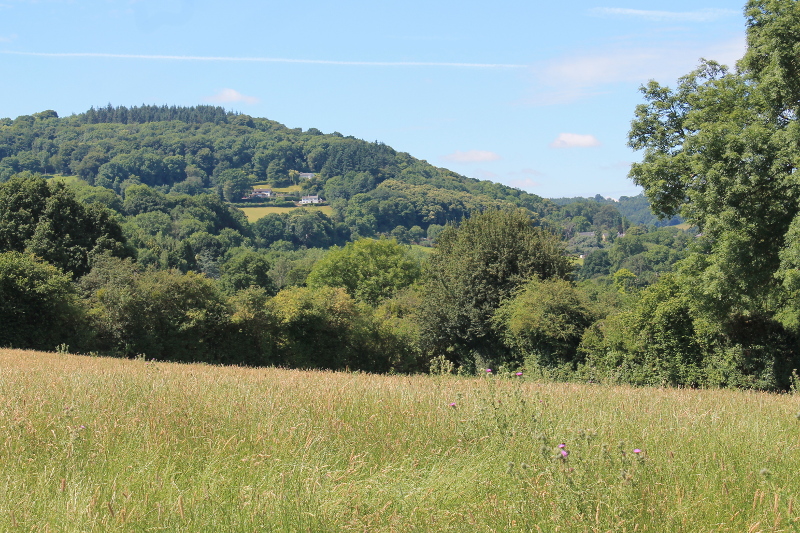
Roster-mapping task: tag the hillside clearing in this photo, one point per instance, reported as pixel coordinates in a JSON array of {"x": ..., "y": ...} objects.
[{"x": 254, "y": 213}]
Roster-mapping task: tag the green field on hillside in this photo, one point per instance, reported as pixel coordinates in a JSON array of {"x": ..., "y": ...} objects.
[
  {"x": 99, "y": 444},
  {"x": 290, "y": 189},
  {"x": 254, "y": 213}
]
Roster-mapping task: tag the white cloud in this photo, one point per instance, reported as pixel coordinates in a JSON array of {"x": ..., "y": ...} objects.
[
  {"x": 574, "y": 140},
  {"x": 483, "y": 174},
  {"x": 526, "y": 172},
  {"x": 524, "y": 183},
  {"x": 521, "y": 179},
  {"x": 702, "y": 15},
  {"x": 230, "y": 95},
  {"x": 571, "y": 78},
  {"x": 524, "y": 179},
  {"x": 471, "y": 156}
]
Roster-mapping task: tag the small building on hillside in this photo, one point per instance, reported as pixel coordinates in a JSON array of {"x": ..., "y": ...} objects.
[
  {"x": 307, "y": 175},
  {"x": 310, "y": 200},
  {"x": 261, "y": 193}
]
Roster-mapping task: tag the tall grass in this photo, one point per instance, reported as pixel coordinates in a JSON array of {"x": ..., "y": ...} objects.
[{"x": 95, "y": 444}]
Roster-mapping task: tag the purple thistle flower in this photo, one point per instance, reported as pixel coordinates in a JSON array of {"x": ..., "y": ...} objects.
[
  {"x": 562, "y": 445},
  {"x": 453, "y": 404},
  {"x": 564, "y": 453},
  {"x": 637, "y": 450},
  {"x": 519, "y": 373},
  {"x": 488, "y": 370}
]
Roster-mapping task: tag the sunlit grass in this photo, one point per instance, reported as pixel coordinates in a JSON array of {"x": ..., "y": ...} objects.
[
  {"x": 254, "y": 213},
  {"x": 62, "y": 178},
  {"x": 289, "y": 189},
  {"x": 96, "y": 444}
]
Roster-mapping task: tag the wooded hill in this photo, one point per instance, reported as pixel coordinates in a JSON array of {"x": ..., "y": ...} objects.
[
  {"x": 187, "y": 149},
  {"x": 135, "y": 247}
]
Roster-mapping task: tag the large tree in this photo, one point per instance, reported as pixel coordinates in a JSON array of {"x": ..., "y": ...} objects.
[
  {"x": 722, "y": 150},
  {"x": 369, "y": 270},
  {"x": 45, "y": 218},
  {"x": 475, "y": 268}
]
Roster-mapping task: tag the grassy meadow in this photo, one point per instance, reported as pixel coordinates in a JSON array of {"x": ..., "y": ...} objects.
[
  {"x": 99, "y": 444},
  {"x": 254, "y": 213},
  {"x": 291, "y": 189}
]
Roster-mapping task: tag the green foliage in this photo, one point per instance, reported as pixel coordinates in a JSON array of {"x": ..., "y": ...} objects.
[
  {"x": 635, "y": 209},
  {"x": 544, "y": 322},
  {"x": 624, "y": 280},
  {"x": 235, "y": 184},
  {"x": 46, "y": 219},
  {"x": 721, "y": 149},
  {"x": 710, "y": 153},
  {"x": 143, "y": 199},
  {"x": 667, "y": 337},
  {"x": 163, "y": 314},
  {"x": 326, "y": 328},
  {"x": 369, "y": 270},
  {"x": 22, "y": 202},
  {"x": 474, "y": 269},
  {"x": 254, "y": 328},
  {"x": 244, "y": 270},
  {"x": 771, "y": 57},
  {"x": 595, "y": 264},
  {"x": 291, "y": 267},
  {"x": 653, "y": 343},
  {"x": 38, "y": 308}
]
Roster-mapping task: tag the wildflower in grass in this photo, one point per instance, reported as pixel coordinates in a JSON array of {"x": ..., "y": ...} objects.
[
  {"x": 564, "y": 453},
  {"x": 488, "y": 370},
  {"x": 637, "y": 450},
  {"x": 453, "y": 405},
  {"x": 562, "y": 445},
  {"x": 519, "y": 373}
]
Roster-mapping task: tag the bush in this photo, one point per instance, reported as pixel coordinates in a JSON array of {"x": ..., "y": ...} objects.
[
  {"x": 162, "y": 314},
  {"x": 326, "y": 328},
  {"x": 38, "y": 308},
  {"x": 544, "y": 323},
  {"x": 666, "y": 339}
]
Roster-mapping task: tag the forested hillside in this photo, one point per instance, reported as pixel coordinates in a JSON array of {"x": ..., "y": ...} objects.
[
  {"x": 635, "y": 208},
  {"x": 185, "y": 150}
]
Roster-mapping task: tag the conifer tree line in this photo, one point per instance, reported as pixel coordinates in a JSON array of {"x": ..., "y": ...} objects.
[{"x": 120, "y": 234}]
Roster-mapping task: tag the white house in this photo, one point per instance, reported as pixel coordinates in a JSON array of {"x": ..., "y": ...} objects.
[
  {"x": 261, "y": 193},
  {"x": 310, "y": 200}
]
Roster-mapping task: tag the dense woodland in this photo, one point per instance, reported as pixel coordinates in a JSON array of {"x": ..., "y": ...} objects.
[{"x": 120, "y": 234}]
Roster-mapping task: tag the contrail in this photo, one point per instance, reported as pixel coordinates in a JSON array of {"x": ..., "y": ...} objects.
[{"x": 265, "y": 60}]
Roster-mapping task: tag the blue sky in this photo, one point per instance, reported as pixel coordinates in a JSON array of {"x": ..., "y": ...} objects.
[{"x": 536, "y": 95}]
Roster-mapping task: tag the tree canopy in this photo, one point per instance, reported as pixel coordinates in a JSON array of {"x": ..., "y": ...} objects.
[
  {"x": 369, "y": 270},
  {"x": 475, "y": 268},
  {"x": 722, "y": 150}
]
